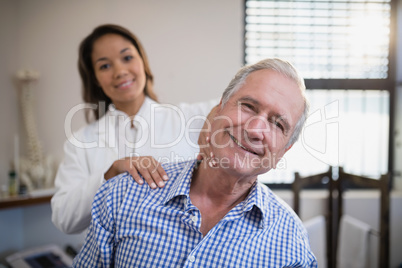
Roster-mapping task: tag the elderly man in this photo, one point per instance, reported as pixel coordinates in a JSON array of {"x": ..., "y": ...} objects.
[{"x": 215, "y": 214}]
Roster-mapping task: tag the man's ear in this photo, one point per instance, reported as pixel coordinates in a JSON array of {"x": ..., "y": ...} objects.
[
  {"x": 214, "y": 110},
  {"x": 287, "y": 149},
  {"x": 220, "y": 104}
]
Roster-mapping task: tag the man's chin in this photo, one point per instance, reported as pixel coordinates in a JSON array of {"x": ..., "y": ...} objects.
[{"x": 244, "y": 166}]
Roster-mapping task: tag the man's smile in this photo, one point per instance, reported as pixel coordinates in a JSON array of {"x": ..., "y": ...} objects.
[{"x": 243, "y": 147}]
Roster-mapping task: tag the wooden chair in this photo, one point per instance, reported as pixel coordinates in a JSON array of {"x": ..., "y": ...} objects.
[
  {"x": 303, "y": 182},
  {"x": 337, "y": 186},
  {"x": 347, "y": 180}
]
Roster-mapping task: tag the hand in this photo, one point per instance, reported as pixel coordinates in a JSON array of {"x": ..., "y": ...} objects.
[
  {"x": 204, "y": 139},
  {"x": 147, "y": 166}
]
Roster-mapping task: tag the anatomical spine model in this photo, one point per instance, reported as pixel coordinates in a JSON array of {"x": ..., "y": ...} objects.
[{"x": 36, "y": 171}]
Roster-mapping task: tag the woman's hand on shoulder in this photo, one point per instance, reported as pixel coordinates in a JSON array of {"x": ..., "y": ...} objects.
[
  {"x": 204, "y": 140},
  {"x": 150, "y": 169}
]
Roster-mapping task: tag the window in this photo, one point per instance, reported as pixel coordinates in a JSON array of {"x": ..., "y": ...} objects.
[{"x": 343, "y": 50}]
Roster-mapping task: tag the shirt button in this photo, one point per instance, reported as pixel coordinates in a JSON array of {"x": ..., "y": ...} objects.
[
  {"x": 194, "y": 218},
  {"x": 192, "y": 259}
]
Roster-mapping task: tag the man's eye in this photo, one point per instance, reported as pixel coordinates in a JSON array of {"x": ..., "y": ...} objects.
[
  {"x": 248, "y": 106},
  {"x": 279, "y": 125}
]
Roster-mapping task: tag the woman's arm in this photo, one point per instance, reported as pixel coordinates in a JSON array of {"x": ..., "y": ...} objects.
[{"x": 76, "y": 186}]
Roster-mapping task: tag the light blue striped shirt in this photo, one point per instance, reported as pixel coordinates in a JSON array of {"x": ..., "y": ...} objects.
[{"x": 136, "y": 226}]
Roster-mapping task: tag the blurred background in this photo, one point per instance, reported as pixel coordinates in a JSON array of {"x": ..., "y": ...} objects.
[{"x": 352, "y": 64}]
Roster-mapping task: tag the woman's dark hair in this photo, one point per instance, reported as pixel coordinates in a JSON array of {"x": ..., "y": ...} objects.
[{"x": 92, "y": 92}]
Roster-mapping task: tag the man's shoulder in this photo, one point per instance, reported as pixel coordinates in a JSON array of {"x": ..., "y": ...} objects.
[
  {"x": 173, "y": 169},
  {"x": 282, "y": 222},
  {"x": 118, "y": 192},
  {"x": 274, "y": 205},
  {"x": 122, "y": 183},
  {"x": 118, "y": 184}
]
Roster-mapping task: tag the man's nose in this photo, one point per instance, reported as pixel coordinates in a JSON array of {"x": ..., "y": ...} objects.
[{"x": 256, "y": 128}]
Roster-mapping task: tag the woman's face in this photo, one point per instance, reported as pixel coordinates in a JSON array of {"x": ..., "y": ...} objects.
[{"x": 119, "y": 70}]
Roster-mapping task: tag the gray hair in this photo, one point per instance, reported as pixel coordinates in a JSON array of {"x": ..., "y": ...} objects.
[{"x": 283, "y": 67}]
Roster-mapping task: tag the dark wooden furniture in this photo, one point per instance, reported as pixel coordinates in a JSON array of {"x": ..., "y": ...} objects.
[
  {"x": 323, "y": 178},
  {"x": 337, "y": 184},
  {"x": 20, "y": 201},
  {"x": 346, "y": 181},
  {"x": 302, "y": 182}
]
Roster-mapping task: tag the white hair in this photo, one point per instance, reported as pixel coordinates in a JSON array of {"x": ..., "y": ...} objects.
[{"x": 282, "y": 67}]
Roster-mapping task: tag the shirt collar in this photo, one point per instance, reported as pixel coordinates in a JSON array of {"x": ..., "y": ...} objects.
[
  {"x": 255, "y": 198},
  {"x": 144, "y": 112},
  {"x": 181, "y": 186}
]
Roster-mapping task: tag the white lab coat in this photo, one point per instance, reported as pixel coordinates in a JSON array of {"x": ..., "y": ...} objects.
[{"x": 166, "y": 132}]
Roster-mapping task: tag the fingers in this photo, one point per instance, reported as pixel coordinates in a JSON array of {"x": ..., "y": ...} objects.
[
  {"x": 136, "y": 176},
  {"x": 148, "y": 178},
  {"x": 151, "y": 171},
  {"x": 206, "y": 130},
  {"x": 207, "y": 155},
  {"x": 213, "y": 162},
  {"x": 204, "y": 139},
  {"x": 205, "y": 149}
]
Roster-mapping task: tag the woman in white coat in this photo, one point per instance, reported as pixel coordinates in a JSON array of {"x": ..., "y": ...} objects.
[{"x": 118, "y": 86}]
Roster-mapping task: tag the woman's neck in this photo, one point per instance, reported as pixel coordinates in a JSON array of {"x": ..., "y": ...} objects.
[{"x": 130, "y": 108}]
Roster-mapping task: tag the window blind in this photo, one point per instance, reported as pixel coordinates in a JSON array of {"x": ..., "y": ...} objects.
[
  {"x": 323, "y": 39},
  {"x": 338, "y": 43}
]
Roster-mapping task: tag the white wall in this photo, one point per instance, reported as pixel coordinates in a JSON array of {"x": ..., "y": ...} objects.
[
  {"x": 8, "y": 104},
  {"x": 194, "y": 47}
]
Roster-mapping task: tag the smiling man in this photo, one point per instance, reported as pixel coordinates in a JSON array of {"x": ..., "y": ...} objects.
[{"x": 215, "y": 214}]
